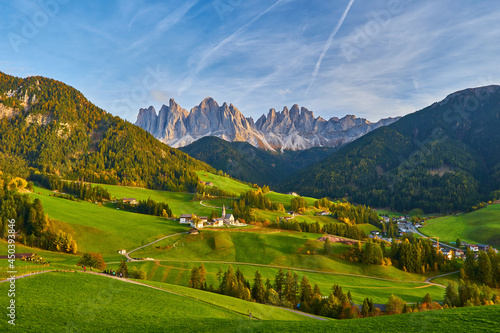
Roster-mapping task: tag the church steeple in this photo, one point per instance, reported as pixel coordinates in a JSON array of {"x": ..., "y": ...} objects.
[{"x": 223, "y": 211}]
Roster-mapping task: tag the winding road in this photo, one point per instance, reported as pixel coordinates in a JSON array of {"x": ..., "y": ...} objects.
[{"x": 127, "y": 255}]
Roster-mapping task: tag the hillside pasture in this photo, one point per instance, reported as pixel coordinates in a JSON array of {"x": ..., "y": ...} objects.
[{"x": 481, "y": 226}]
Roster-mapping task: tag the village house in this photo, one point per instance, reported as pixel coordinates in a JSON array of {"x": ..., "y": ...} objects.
[
  {"x": 447, "y": 253},
  {"x": 459, "y": 254},
  {"x": 473, "y": 248},
  {"x": 483, "y": 247},
  {"x": 203, "y": 219},
  {"x": 198, "y": 223},
  {"x": 209, "y": 184},
  {"x": 323, "y": 213},
  {"x": 131, "y": 201},
  {"x": 293, "y": 193},
  {"x": 218, "y": 222},
  {"x": 185, "y": 218},
  {"x": 122, "y": 251},
  {"x": 291, "y": 212}
]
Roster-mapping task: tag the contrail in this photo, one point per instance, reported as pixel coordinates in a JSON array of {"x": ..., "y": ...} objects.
[
  {"x": 328, "y": 44},
  {"x": 204, "y": 60}
]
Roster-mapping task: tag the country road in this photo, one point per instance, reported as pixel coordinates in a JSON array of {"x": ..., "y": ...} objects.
[
  {"x": 414, "y": 230},
  {"x": 205, "y": 205},
  {"x": 127, "y": 255},
  {"x": 437, "y": 276}
]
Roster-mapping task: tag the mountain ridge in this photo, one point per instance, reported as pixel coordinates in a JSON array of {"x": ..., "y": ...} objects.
[
  {"x": 442, "y": 158},
  {"x": 295, "y": 129}
]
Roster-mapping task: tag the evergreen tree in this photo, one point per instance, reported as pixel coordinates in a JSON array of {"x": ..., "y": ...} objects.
[
  {"x": 279, "y": 281},
  {"x": 258, "y": 290}
]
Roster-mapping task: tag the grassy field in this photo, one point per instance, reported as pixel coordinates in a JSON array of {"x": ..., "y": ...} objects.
[
  {"x": 258, "y": 311},
  {"x": 90, "y": 303},
  {"x": 225, "y": 183},
  {"x": 481, "y": 226},
  {"x": 178, "y": 272},
  {"x": 56, "y": 302},
  {"x": 267, "y": 247},
  {"x": 179, "y": 203},
  {"x": 103, "y": 229},
  {"x": 286, "y": 198}
]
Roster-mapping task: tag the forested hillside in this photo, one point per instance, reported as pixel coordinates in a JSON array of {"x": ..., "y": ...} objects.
[
  {"x": 243, "y": 161},
  {"x": 442, "y": 158},
  {"x": 50, "y": 127}
]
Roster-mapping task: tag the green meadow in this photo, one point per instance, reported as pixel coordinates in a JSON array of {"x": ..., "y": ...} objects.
[
  {"x": 225, "y": 183},
  {"x": 178, "y": 273},
  {"x": 481, "y": 226},
  {"x": 91, "y": 303},
  {"x": 267, "y": 247},
  {"x": 98, "y": 228}
]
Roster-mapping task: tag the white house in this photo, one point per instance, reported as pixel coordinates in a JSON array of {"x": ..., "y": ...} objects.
[
  {"x": 185, "y": 218},
  {"x": 219, "y": 222},
  {"x": 198, "y": 224},
  {"x": 122, "y": 251}
]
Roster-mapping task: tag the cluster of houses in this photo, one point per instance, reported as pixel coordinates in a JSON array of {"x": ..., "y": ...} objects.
[
  {"x": 199, "y": 222},
  {"x": 206, "y": 183}
]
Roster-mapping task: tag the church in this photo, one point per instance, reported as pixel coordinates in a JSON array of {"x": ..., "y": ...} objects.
[{"x": 228, "y": 218}]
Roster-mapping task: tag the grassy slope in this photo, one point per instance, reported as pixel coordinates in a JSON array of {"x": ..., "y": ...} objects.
[
  {"x": 225, "y": 183},
  {"x": 481, "y": 226},
  {"x": 258, "y": 311},
  {"x": 103, "y": 229},
  {"x": 268, "y": 247},
  {"x": 89, "y": 303},
  {"x": 56, "y": 302},
  {"x": 177, "y": 272}
]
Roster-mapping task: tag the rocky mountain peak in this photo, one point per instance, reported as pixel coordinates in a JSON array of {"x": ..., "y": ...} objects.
[{"x": 294, "y": 128}]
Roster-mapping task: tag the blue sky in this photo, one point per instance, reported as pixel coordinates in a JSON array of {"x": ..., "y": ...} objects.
[{"x": 370, "y": 58}]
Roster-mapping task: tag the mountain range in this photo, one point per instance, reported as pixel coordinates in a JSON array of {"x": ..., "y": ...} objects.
[{"x": 294, "y": 129}]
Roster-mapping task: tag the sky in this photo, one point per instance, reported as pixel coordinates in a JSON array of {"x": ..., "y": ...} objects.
[{"x": 370, "y": 58}]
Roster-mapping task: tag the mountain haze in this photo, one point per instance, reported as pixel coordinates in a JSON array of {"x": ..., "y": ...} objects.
[{"x": 294, "y": 129}]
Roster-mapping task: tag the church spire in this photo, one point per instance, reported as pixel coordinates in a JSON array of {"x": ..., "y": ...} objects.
[{"x": 223, "y": 211}]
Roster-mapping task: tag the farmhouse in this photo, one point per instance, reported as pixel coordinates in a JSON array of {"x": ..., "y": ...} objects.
[
  {"x": 323, "y": 213},
  {"x": 447, "y": 253},
  {"x": 131, "y": 201},
  {"x": 293, "y": 193},
  {"x": 473, "y": 248},
  {"x": 209, "y": 184},
  {"x": 185, "y": 218},
  {"x": 459, "y": 254},
  {"x": 483, "y": 247},
  {"x": 196, "y": 223},
  {"x": 122, "y": 251},
  {"x": 219, "y": 222}
]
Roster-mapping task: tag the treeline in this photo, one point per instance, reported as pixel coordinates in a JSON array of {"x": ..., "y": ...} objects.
[
  {"x": 337, "y": 229},
  {"x": 410, "y": 255},
  {"x": 203, "y": 191},
  {"x": 31, "y": 221},
  {"x": 486, "y": 269},
  {"x": 149, "y": 207},
  {"x": 349, "y": 213},
  {"x": 419, "y": 256},
  {"x": 83, "y": 191},
  {"x": 469, "y": 294},
  {"x": 242, "y": 209},
  {"x": 286, "y": 291}
]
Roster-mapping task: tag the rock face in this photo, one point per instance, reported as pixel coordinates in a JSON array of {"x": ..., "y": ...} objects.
[{"x": 294, "y": 129}]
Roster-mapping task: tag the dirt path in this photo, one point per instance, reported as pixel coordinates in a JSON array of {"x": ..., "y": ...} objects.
[
  {"x": 205, "y": 205},
  {"x": 127, "y": 255},
  {"x": 437, "y": 276}
]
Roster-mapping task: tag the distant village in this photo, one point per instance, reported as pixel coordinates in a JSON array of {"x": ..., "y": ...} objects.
[{"x": 405, "y": 226}]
